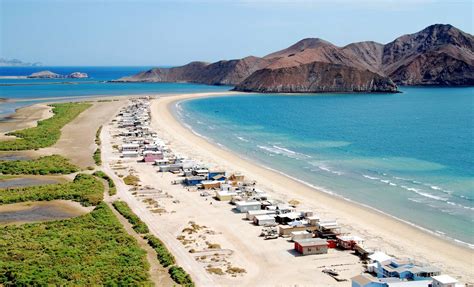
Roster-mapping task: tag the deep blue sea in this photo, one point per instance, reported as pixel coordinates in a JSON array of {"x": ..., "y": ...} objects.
[
  {"x": 410, "y": 155},
  {"x": 24, "y": 92}
]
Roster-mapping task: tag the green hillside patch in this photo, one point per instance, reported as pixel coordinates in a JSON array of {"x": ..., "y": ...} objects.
[
  {"x": 89, "y": 250},
  {"x": 48, "y": 131},
  {"x": 85, "y": 189},
  {"x": 54, "y": 164}
]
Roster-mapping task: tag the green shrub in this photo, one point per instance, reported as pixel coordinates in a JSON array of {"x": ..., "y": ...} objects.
[
  {"x": 97, "y": 157},
  {"x": 131, "y": 180},
  {"x": 103, "y": 175},
  {"x": 54, "y": 164},
  {"x": 164, "y": 256},
  {"x": 48, "y": 131},
  {"x": 138, "y": 225},
  {"x": 89, "y": 250},
  {"x": 85, "y": 189},
  {"x": 180, "y": 276},
  {"x": 97, "y": 136}
]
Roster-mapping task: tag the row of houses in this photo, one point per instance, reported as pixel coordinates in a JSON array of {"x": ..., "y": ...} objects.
[{"x": 311, "y": 234}]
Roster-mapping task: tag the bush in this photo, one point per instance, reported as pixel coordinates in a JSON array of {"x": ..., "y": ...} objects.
[
  {"x": 48, "y": 131},
  {"x": 164, "y": 256},
  {"x": 85, "y": 189},
  {"x": 89, "y": 250},
  {"x": 54, "y": 164},
  {"x": 97, "y": 157},
  {"x": 103, "y": 175},
  {"x": 131, "y": 180},
  {"x": 180, "y": 276},
  {"x": 138, "y": 225}
]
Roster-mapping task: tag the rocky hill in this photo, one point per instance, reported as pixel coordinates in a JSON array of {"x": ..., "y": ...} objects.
[{"x": 437, "y": 55}]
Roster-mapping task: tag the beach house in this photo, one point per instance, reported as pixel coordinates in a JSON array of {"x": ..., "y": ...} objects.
[
  {"x": 445, "y": 281},
  {"x": 244, "y": 206},
  {"x": 264, "y": 219},
  {"x": 311, "y": 246},
  {"x": 348, "y": 242}
]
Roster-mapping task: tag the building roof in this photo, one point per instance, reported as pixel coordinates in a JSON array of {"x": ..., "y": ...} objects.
[
  {"x": 264, "y": 217},
  {"x": 417, "y": 283},
  {"x": 311, "y": 242},
  {"x": 364, "y": 279},
  {"x": 247, "y": 203},
  {"x": 379, "y": 257},
  {"x": 445, "y": 279},
  {"x": 350, "y": 238}
]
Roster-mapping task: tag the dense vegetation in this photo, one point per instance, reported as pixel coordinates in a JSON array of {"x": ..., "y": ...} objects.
[
  {"x": 54, "y": 164},
  {"x": 89, "y": 250},
  {"x": 97, "y": 157},
  {"x": 180, "y": 276},
  {"x": 85, "y": 189},
  {"x": 48, "y": 131},
  {"x": 103, "y": 175},
  {"x": 164, "y": 256},
  {"x": 138, "y": 225}
]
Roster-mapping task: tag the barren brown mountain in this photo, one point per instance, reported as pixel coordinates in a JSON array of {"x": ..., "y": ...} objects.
[{"x": 437, "y": 55}]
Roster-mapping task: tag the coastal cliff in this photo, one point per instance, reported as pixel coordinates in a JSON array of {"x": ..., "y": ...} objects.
[{"x": 437, "y": 55}]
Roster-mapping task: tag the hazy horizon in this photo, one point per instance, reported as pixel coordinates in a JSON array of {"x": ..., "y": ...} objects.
[{"x": 169, "y": 33}]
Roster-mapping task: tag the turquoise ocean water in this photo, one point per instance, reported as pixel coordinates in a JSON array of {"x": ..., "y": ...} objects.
[{"x": 410, "y": 155}]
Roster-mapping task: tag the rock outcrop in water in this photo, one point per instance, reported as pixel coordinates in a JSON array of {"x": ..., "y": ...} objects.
[
  {"x": 437, "y": 55},
  {"x": 51, "y": 75}
]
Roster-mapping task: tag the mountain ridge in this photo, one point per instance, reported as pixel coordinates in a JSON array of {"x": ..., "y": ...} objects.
[{"x": 440, "y": 54}]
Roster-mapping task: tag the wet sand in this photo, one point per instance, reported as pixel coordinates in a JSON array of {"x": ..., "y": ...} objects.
[
  {"x": 23, "y": 118},
  {"x": 39, "y": 211},
  {"x": 15, "y": 181}
]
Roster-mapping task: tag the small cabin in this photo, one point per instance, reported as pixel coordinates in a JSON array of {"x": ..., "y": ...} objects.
[{"x": 311, "y": 246}]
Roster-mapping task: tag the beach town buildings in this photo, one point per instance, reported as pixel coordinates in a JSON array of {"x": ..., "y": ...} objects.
[{"x": 311, "y": 235}]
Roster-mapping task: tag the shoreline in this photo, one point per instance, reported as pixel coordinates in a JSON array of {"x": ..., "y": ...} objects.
[
  {"x": 450, "y": 256},
  {"x": 432, "y": 232}
]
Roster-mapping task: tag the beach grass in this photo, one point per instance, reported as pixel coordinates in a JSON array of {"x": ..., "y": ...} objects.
[
  {"x": 47, "y": 132},
  {"x": 54, "y": 164},
  {"x": 89, "y": 250},
  {"x": 85, "y": 189}
]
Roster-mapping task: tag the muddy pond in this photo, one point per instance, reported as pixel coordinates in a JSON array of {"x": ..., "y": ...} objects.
[{"x": 39, "y": 211}]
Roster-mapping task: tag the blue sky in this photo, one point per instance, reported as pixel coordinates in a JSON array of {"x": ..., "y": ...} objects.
[{"x": 176, "y": 32}]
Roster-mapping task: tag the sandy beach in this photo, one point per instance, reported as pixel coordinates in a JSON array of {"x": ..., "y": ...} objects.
[
  {"x": 23, "y": 118},
  {"x": 380, "y": 231}
]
